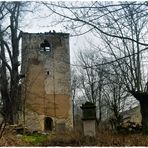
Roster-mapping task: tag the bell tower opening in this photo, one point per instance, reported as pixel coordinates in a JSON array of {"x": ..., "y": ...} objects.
[
  {"x": 45, "y": 46},
  {"x": 48, "y": 124}
]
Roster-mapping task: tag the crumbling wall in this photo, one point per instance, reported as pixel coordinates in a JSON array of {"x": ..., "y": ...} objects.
[{"x": 46, "y": 87}]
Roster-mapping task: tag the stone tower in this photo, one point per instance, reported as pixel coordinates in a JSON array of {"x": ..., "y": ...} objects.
[{"x": 46, "y": 93}]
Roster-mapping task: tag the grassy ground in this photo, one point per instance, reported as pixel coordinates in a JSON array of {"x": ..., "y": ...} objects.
[
  {"x": 73, "y": 138},
  {"x": 34, "y": 139}
]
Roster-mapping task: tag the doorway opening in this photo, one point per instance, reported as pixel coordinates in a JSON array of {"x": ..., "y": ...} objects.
[{"x": 48, "y": 124}]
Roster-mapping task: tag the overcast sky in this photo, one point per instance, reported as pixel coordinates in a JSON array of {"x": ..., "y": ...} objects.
[
  {"x": 38, "y": 22},
  {"x": 36, "y": 25}
]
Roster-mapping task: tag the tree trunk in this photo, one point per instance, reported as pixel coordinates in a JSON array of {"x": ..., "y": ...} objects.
[
  {"x": 6, "y": 110},
  {"x": 14, "y": 85},
  {"x": 15, "y": 98},
  {"x": 143, "y": 100},
  {"x": 144, "y": 113}
]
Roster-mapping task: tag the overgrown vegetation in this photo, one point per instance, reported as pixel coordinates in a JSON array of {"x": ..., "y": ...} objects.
[
  {"x": 34, "y": 139},
  {"x": 74, "y": 138}
]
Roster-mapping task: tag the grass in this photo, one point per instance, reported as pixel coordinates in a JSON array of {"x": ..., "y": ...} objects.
[
  {"x": 75, "y": 138},
  {"x": 70, "y": 138},
  {"x": 34, "y": 139},
  {"x": 103, "y": 138},
  {"x": 107, "y": 138}
]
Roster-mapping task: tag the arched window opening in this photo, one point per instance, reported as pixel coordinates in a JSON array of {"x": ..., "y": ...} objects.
[
  {"x": 48, "y": 124},
  {"x": 45, "y": 46}
]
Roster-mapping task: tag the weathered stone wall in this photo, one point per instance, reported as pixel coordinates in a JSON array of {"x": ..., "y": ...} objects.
[
  {"x": 46, "y": 87},
  {"x": 135, "y": 115}
]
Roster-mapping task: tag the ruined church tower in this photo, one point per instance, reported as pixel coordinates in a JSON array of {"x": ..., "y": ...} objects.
[{"x": 46, "y": 93}]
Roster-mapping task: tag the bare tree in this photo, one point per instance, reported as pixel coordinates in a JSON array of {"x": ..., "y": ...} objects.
[
  {"x": 130, "y": 68},
  {"x": 91, "y": 79},
  {"x": 123, "y": 27},
  {"x": 4, "y": 84},
  {"x": 75, "y": 84},
  {"x": 115, "y": 97},
  {"x": 83, "y": 17},
  {"x": 9, "y": 39}
]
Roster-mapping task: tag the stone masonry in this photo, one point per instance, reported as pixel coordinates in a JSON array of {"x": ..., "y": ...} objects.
[{"x": 46, "y": 92}]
